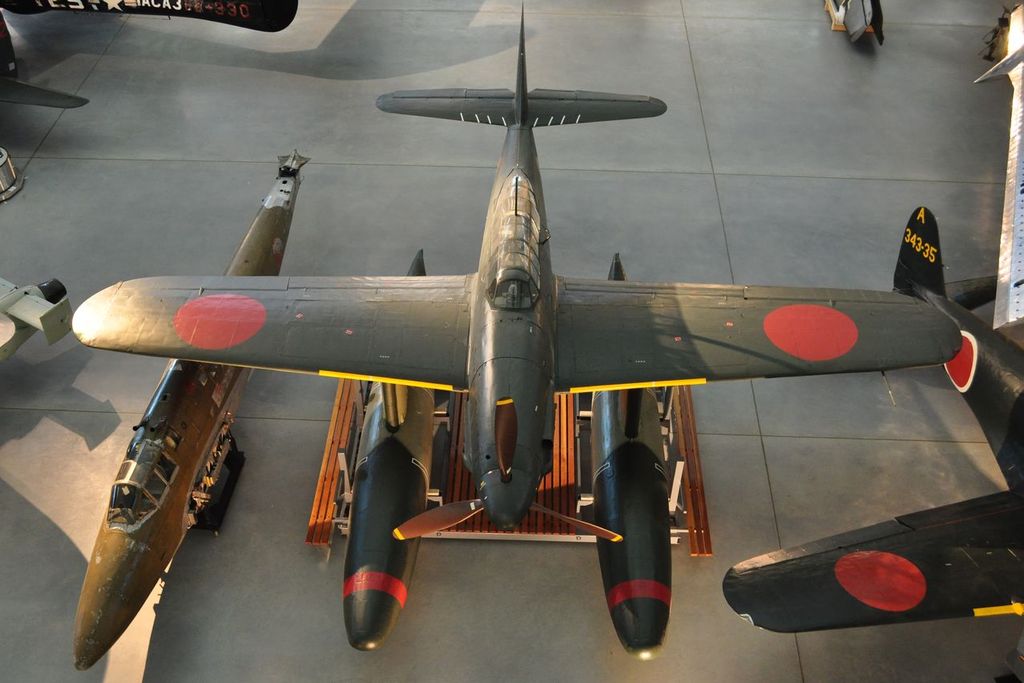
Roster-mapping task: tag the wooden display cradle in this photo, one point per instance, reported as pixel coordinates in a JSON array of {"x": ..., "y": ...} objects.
[{"x": 568, "y": 488}]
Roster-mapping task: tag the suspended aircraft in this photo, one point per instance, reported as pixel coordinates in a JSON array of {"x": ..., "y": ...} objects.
[
  {"x": 512, "y": 334},
  {"x": 957, "y": 560}
]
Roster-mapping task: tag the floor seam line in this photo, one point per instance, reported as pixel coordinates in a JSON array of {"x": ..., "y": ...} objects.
[
  {"x": 707, "y": 144},
  {"x": 60, "y": 114},
  {"x": 716, "y": 173},
  {"x": 767, "y": 473}
]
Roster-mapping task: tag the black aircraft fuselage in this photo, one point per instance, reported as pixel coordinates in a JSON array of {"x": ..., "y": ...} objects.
[
  {"x": 995, "y": 388},
  {"x": 511, "y": 349},
  {"x": 957, "y": 560}
]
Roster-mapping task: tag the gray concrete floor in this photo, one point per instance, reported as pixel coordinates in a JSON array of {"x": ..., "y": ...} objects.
[{"x": 764, "y": 170}]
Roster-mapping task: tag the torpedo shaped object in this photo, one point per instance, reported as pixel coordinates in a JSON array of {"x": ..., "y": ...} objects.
[{"x": 389, "y": 486}]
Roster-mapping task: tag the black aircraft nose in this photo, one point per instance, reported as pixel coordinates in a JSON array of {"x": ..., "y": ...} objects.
[{"x": 507, "y": 502}]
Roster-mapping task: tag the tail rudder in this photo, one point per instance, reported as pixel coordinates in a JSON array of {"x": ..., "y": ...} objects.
[{"x": 919, "y": 266}]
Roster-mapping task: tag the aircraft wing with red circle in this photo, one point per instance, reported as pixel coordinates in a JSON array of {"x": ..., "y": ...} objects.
[
  {"x": 960, "y": 560},
  {"x": 625, "y": 334},
  {"x": 404, "y": 330}
]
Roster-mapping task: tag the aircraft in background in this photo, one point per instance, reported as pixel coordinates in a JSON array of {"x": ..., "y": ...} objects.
[
  {"x": 957, "y": 560},
  {"x": 26, "y": 310},
  {"x": 258, "y": 15},
  {"x": 14, "y": 91},
  {"x": 862, "y": 14},
  {"x": 513, "y": 333},
  {"x": 857, "y": 17},
  {"x": 182, "y": 463},
  {"x": 1009, "y": 305}
]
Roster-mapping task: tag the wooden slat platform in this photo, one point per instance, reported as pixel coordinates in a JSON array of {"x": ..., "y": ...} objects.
[
  {"x": 339, "y": 435},
  {"x": 557, "y": 490},
  {"x": 685, "y": 429}
]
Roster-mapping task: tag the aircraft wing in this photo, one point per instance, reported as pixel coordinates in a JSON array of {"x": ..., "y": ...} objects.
[
  {"x": 409, "y": 330},
  {"x": 18, "y": 92},
  {"x": 960, "y": 560},
  {"x": 614, "y": 334}
]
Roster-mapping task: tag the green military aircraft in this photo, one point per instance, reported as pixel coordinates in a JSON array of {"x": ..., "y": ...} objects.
[{"x": 513, "y": 333}]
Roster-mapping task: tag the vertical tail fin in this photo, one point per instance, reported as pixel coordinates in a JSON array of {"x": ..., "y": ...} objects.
[
  {"x": 522, "y": 115},
  {"x": 417, "y": 269},
  {"x": 919, "y": 265},
  {"x": 616, "y": 272}
]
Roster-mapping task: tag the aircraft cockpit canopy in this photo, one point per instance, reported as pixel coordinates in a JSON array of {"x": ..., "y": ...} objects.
[
  {"x": 141, "y": 485},
  {"x": 515, "y": 267}
]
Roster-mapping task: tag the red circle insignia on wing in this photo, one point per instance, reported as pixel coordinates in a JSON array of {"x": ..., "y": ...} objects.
[
  {"x": 219, "y": 321},
  {"x": 811, "y": 332},
  {"x": 881, "y": 580}
]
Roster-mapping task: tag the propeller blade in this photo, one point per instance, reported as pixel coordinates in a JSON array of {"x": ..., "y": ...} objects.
[
  {"x": 438, "y": 519},
  {"x": 598, "y": 531},
  {"x": 506, "y": 433}
]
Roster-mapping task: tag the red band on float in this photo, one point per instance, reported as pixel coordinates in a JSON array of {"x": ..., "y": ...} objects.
[
  {"x": 377, "y": 581},
  {"x": 881, "y": 580},
  {"x": 639, "y": 588}
]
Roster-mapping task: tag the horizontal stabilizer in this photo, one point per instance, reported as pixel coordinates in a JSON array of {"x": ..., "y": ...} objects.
[
  {"x": 497, "y": 107},
  {"x": 973, "y": 293},
  {"x": 958, "y": 560},
  {"x": 18, "y": 92}
]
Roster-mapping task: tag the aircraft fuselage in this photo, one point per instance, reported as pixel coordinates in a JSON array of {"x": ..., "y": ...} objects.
[
  {"x": 989, "y": 372},
  {"x": 185, "y": 427},
  {"x": 511, "y": 346}
]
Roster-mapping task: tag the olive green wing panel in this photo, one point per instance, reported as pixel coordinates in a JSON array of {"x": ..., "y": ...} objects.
[
  {"x": 613, "y": 334},
  {"x": 411, "y": 330}
]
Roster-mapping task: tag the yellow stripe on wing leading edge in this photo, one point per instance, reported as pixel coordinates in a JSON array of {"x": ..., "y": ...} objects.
[
  {"x": 1013, "y": 608},
  {"x": 388, "y": 380},
  {"x": 639, "y": 385}
]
